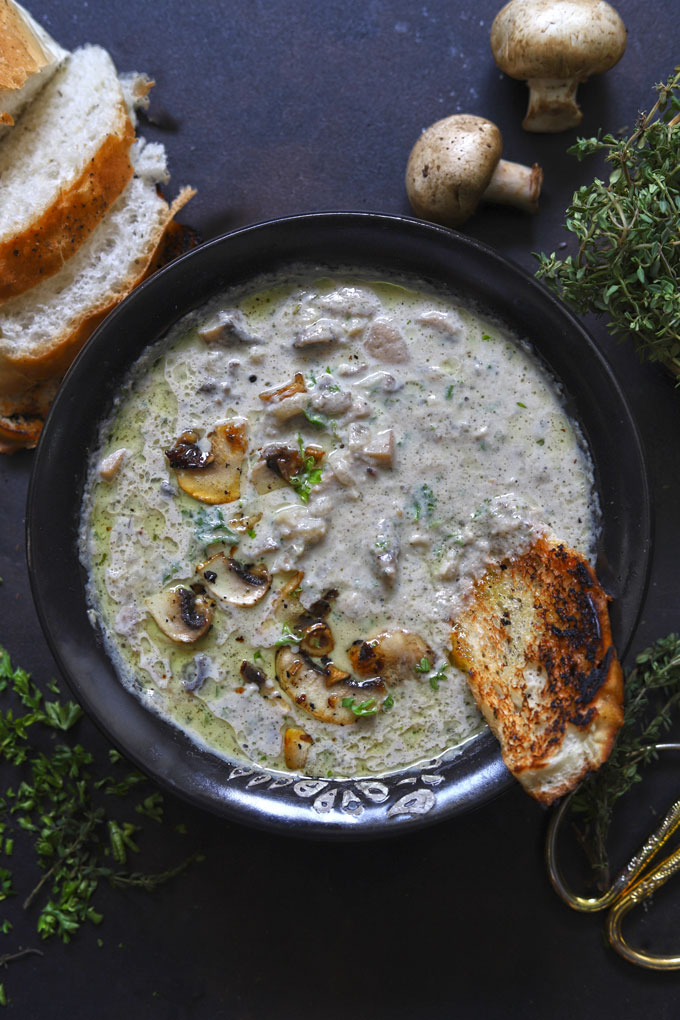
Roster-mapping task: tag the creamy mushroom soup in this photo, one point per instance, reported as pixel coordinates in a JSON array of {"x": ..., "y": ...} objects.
[{"x": 293, "y": 494}]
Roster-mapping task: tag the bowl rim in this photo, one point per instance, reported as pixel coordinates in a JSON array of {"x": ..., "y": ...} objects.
[{"x": 334, "y": 808}]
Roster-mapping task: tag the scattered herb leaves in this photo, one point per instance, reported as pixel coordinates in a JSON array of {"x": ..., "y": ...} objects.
[
  {"x": 309, "y": 476},
  {"x": 56, "y": 810},
  {"x": 210, "y": 526},
  {"x": 368, "y": 707},
  {"x": 288, "y": 637}
]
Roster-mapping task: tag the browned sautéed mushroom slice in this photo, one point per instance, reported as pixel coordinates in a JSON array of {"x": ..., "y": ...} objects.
[
  {"x": 391, "y": 655},
  {"x": 307, "y": 683},
  {"x": 296, "y": 747},
  {"x": 233, "y": 582},
  {"x": 296, "y": 385},
  {"x": 181, "y": 614},
  {"x": 317, "y": 639},
  {"x": 213, "y": 477}
]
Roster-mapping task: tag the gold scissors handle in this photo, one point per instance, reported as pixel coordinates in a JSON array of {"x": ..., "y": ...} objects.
[
  {"x": 644, "y": 888},
  {"x": 629, "y": 887}
]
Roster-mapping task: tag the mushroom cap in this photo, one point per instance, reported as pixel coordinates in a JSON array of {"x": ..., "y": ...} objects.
[
  {"x": 557, "y": 38},
  {"x": 450, "y": 167}
]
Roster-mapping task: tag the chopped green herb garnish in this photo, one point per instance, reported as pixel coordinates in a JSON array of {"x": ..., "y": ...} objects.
[
  {"x": 60, "y": 815},
  {"x": 388, "y": 703},
  {"x": 449, "y": 391},
  {"x": 369, "y": 707},
  {"x": 520, "y": 404},
  {"x": 210, "y": 526},
  {"x": 288, "y": 637},
  {"x": 437, "y": 677},
  {"x": 423, "y": 666},
  {"x": 540, "y": 442},
  {"x": 251, "y": 533},
  {"x": 319, "y": 421},
  {"x": 309, "y": 476}
]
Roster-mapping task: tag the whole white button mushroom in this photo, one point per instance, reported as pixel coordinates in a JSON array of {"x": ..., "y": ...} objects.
[
  {"x": 554, "y": 45},
  {"x": 456, "y": 163}
]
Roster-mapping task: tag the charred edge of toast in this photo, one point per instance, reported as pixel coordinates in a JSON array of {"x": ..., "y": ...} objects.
[{"x": 571, "y": 642}]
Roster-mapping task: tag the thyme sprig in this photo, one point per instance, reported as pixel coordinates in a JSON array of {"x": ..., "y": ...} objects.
[
  {"x": 652, "y": 693},
  {"x": 58, "y": 809},
  {"x": 628, "y": 229}
]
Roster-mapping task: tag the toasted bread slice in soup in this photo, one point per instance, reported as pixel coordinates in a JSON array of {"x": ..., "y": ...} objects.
[
  {"x": 63, "y": 164},
  {"x": 28, "y": 59},
  {"x": 535, "y": 642},
  {"x": 42, "y": 331}
]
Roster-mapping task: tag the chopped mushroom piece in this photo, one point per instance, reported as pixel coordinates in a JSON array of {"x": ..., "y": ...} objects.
[
  {"x": 181, "y": 614},
  {"x": 391, "y": 655},
  {"x": 237, "y": 584},
  {"x": 297, "y": 385},
  {"x": 446, "y": 323},
  {"x": 307, "y": 683},
  {"x": 187, "y": 453},
  {"x": 349, "y": 302},
  {"x": 296, "y": 747},
  {"x": 384, "y": 341},
  {"x": 317, "y": 639},
  {"x": 380, "y": 449},
  {"x": 385, "y": 551},
  {"x": 250, "y": 674},
  {"x": 342, "y": 466},
  {"x": 213, "y": 477},
  {"x": 287, "y": 461},
  {"x": 456, "y": 163},
  {"x": 227, "y": 326},
  {"x": 323, "y": 331},
  {"x": 554, "y": 45},
  {"x": 110, "y": 465},
  {"x": 244, "y": 524}
]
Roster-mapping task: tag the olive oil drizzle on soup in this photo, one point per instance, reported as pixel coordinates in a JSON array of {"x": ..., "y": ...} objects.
[{"x": 292, "y": 496}]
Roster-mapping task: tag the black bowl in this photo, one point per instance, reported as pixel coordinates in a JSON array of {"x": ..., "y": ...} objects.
[{"x": 326, "y": 808}]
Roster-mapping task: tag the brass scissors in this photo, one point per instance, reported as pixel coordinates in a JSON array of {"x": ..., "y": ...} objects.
[{"x": 632, "y": 885}]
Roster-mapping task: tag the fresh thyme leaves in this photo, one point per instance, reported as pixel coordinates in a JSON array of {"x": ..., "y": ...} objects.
[
  {"x": 309, "y": 476},
  {"x": 651, "y": 694},
  {"x": 628, "y": 260},
  {"x": 437, "y": 677},
  {"x": 288, "y": 637},
  {"x": 368, "y": 707},
  {"x": 79, "y": 825}
]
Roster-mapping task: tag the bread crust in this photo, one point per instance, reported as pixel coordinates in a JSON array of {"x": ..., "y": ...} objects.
[
  {"x": 27, "y": 384},
  {"x": 535, "y": 641},
  {"x": 41, "y": 250},
  {"x": 21, "y": 53}
]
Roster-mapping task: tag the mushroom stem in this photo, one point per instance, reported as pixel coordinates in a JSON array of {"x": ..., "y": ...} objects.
[
  {"x": 552, "y": 105},
  {"x": 515, "y": 184}
]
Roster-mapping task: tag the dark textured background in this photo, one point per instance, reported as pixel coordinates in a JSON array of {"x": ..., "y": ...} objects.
[{"x": 287, "y": 106}]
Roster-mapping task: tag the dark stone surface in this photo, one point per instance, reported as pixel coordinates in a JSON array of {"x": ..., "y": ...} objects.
[{"x": 278, "y": 107}]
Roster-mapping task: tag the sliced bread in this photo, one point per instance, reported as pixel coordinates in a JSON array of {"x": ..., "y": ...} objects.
[
  {"x": 28, "y": 59},
  {"x": 42, "y": 331},
  {"x": 61, "y": 167},
  {"x": 536, "y": 645}
]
